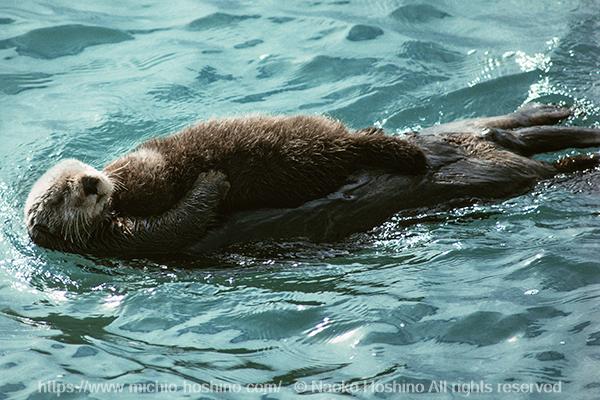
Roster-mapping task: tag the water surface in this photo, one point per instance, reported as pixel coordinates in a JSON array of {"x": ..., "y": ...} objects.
[{"x": 504, "y": 293}]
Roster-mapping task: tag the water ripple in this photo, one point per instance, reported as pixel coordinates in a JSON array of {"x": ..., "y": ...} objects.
[
  {"x": 16, "y": 83},
  {"x": 63, "y": 40},
  {"x": 218, "y": 20},
  {"x": 504, "y": 292},
  {"x": 418, "y": 13}
]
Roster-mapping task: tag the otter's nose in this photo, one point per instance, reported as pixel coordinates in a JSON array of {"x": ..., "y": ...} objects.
[{"x": 90, "y": 185}]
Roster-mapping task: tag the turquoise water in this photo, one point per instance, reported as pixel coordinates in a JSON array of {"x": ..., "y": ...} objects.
[{"x": 501, "y": 294}]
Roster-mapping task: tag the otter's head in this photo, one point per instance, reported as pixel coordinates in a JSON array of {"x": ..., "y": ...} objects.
[{"x": 66, "y": 202}]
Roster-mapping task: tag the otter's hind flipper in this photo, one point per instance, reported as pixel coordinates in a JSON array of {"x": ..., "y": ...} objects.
[
  {"x": 532, "y": 114},
  {"x": 544, "y": 139}
]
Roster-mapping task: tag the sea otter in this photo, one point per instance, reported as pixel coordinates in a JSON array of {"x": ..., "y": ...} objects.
[
  {"x": 138, "y": 203},
  {"x": 245, "y": 179}
]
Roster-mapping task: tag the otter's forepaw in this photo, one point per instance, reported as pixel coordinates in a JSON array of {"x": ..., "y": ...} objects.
[{"x": 215, "y": 180}]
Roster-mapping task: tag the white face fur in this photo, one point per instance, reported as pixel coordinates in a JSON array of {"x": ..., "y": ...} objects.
[{"x": 67, "y": 200}]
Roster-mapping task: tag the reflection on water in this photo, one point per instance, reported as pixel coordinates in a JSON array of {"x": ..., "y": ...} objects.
[{"x": 505, "y": 293}]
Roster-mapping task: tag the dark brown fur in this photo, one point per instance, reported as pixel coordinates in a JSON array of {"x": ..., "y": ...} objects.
[
  {"x": 270, "y": 162},
  {"x": 169, "y": 195}
]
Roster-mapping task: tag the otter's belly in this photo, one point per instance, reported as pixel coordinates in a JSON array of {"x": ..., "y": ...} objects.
[{"x": 263, "y": 187}]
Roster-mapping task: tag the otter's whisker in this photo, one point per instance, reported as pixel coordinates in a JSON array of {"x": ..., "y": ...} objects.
[
  {"x": 73, "y": 229},
  {"x": 82, "y": 227},
  {"x": 83, "y": 235},
  {"x": 67, "y": 230},
  {"x": 116, "y": 182},
  {"x": 78, "y": 228},
  {"x": 120, "y": 168},
  {"x": 85, "y": 226},
  {"x": 75, "y": 232}
]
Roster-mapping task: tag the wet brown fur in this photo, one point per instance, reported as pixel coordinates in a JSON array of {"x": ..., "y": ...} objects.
[
  {"x": 270, "y": 162},
  {"x": 172, "y": 193}
]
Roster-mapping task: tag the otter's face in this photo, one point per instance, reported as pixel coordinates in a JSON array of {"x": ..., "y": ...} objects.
[{"x": 66, "y": 202}]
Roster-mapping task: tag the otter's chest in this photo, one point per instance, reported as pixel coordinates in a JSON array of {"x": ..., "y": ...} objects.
[{"x": 146, "y": 183}]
